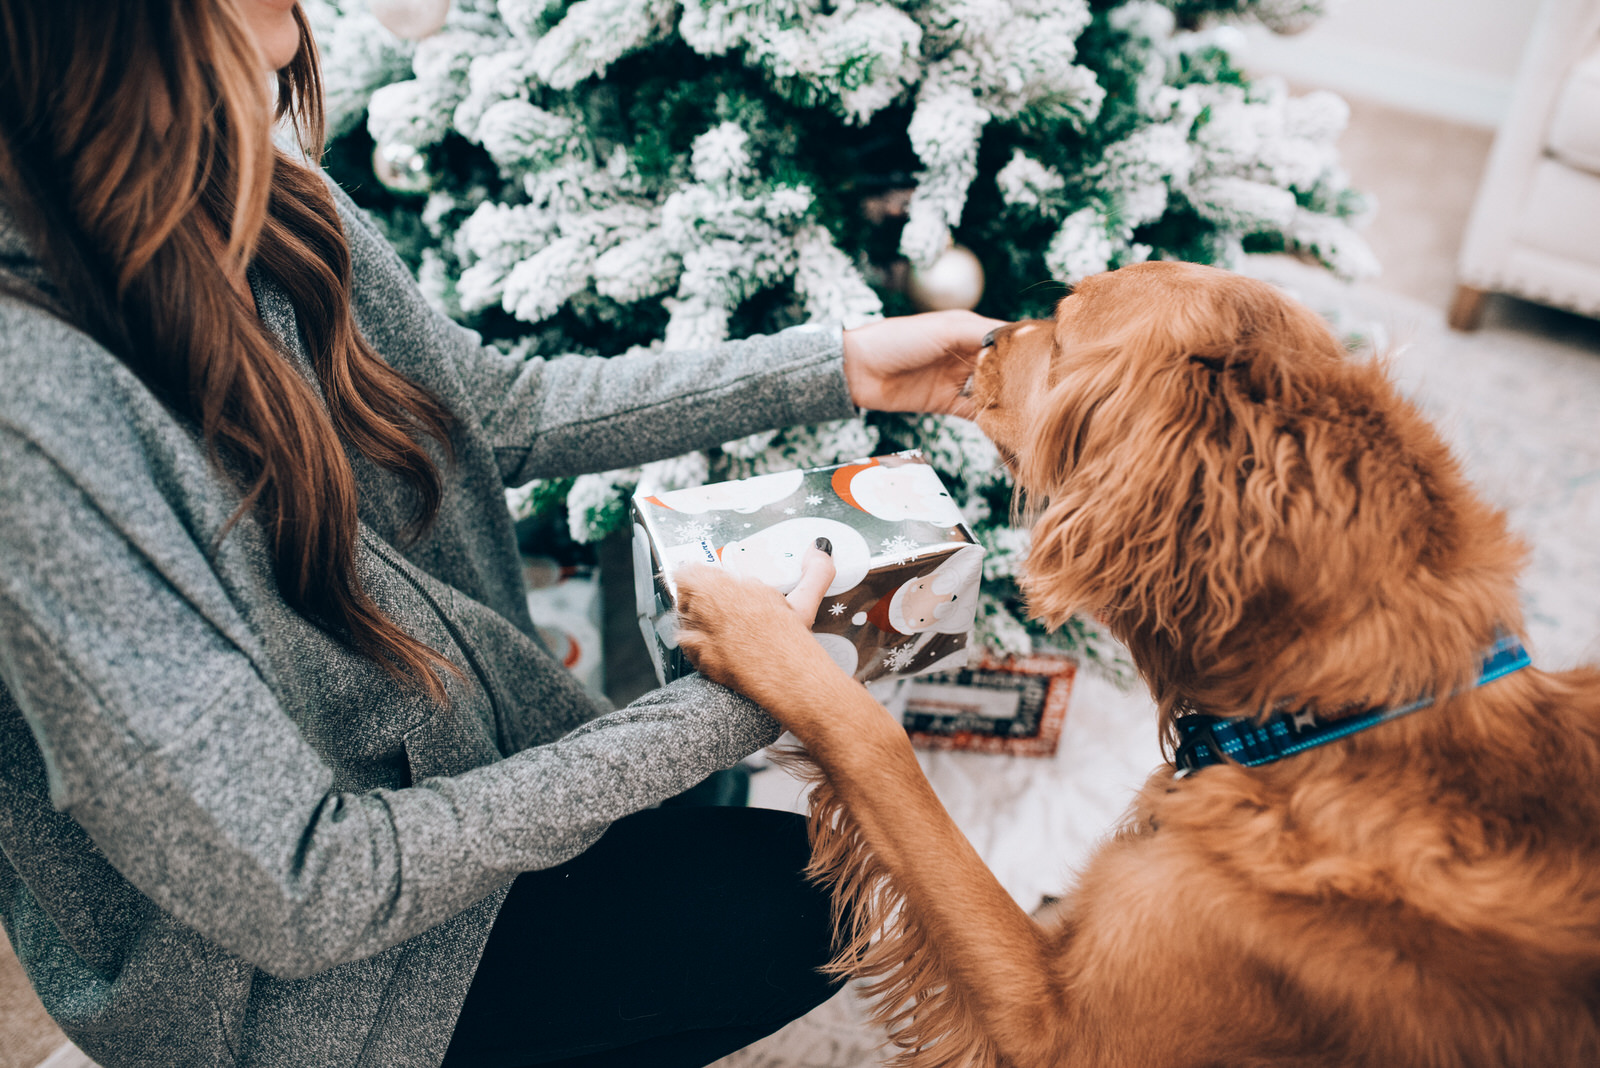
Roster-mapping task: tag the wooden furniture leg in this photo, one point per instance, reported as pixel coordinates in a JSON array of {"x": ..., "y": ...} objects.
[{"x": 1466, "y": 310}]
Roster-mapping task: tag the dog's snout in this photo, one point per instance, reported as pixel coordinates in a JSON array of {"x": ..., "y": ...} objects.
[{"x": 988, "y": 340}]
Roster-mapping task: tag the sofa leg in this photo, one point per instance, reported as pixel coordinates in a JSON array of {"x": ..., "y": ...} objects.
[{"x": 1466, "y": 310}]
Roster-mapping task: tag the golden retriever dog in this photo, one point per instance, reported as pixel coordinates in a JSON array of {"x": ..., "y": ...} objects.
[{"x": 1270, "y": 529}]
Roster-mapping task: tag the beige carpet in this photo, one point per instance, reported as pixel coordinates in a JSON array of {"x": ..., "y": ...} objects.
[
  {"x": 1424, "y": 173},
  {"x": 1520, "y": 400}
]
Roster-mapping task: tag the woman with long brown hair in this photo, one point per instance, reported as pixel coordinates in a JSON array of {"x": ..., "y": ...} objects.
[{"x": 284, "y": 778}]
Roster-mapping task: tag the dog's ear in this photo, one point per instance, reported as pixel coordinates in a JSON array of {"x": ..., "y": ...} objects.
[
  {"x": 1128, "y": 473},
  {"x": 1165, "y": 494}
]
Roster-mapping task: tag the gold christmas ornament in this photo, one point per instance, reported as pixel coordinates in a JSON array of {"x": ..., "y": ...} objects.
[
  {"x": 411, "y": 19},
  {"x": 401, "y": 167},
  {"x": 954, "y": 280}
]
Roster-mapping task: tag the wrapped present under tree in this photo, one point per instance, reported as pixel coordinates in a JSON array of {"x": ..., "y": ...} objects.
[{"x": 904, "y": 598}]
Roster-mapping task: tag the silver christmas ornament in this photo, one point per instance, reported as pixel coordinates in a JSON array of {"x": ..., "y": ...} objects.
[
  {"x": 411, "y": 19},
  {"x": 401, "y": 167},
  {"x": 954, "y": 280}
]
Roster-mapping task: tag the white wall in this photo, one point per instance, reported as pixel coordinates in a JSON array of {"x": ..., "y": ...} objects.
[{"x": 1455, "y": 59}]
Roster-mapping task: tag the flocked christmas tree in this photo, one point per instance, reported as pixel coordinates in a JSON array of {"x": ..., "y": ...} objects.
[{"x": 602, "y": 175}]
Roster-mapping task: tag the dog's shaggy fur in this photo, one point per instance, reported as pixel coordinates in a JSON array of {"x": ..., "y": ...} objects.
[{"x": 1264, "y": 523}]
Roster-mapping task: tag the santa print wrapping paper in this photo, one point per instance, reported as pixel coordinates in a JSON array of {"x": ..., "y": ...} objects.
[{"x": 906, "y": 593}]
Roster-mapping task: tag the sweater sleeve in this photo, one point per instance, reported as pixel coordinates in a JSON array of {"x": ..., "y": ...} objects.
[
  {"x": 576, "y": 414},
  {"x": 164, "y": 743}
]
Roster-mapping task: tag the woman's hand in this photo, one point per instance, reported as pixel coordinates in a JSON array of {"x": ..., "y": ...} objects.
[
  {"x": 751, "y": 638},
  {"x": 817, "y": 572},
  {"x": 915, "y": 363}
]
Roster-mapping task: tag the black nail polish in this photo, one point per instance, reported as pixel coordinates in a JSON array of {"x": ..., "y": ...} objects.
[{"x": 825, "y": 545}]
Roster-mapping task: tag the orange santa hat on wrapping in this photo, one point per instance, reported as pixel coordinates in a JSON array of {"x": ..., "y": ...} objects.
[{"x": 841, "y": 483}]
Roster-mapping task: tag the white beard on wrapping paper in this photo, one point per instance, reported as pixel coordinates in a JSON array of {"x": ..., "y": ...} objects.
[
  {"x": 743, "y": 495},
  {"x": 841, "y": 651},
  {"x": 774, "y": 555},
  {"x": 898, "y": 492},
  {"x": 944, "y": 601}
]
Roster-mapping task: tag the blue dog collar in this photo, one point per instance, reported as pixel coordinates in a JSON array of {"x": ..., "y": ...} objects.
[{"x": 1208, "y": 739}]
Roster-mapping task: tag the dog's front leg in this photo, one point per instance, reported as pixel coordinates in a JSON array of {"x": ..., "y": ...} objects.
[
  {"x": 979, "y": 971},
  {"x": 965, "y": 975}
]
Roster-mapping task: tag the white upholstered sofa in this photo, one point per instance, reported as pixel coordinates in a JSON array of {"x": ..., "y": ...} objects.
[{"x": 1535, "y": 226}]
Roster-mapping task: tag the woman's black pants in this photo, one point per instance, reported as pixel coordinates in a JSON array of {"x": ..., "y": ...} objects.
[{"x": 681, "y": 935}]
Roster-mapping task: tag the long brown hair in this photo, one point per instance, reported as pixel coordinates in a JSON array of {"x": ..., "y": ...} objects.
[{"x": 128, "y": 206}]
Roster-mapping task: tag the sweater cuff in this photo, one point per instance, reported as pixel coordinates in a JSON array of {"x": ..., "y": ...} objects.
[{"x": 820, "y": 393}]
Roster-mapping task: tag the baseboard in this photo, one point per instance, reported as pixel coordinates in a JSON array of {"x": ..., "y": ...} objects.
[{"x": 1394, "y": 78}]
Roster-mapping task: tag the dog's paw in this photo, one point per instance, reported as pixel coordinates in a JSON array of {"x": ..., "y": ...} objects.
[{"x": 741, "y": 633}]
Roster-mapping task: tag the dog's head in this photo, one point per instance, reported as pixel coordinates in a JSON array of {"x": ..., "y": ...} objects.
[{"x": 1256, "y": 515}]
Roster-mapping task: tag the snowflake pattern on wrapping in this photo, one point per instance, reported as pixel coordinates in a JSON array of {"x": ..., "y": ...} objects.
[
  {"x": 698, "y": 530},
  {"x": 837, "y": 608},
  {"x": 898, "y": 659}
]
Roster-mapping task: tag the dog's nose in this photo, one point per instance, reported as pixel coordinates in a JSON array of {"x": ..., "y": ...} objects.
[{"x": 988, "y": 339}]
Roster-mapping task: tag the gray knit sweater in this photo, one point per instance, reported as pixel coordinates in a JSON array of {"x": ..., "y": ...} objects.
[{"x": 228, "y": 840}]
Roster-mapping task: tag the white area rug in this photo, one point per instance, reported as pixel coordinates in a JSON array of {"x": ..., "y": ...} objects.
[{"x": 1523, "y": 413}]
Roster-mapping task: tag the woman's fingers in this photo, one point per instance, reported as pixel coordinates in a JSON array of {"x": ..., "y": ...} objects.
[
  {"x": 915, "y": 363},
  {"x": 817, "y": 572}
]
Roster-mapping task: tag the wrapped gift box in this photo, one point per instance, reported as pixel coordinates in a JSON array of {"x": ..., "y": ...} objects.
[
  {"x": 906, "y": 593},
  {"x": 1013, "y": 705}
]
